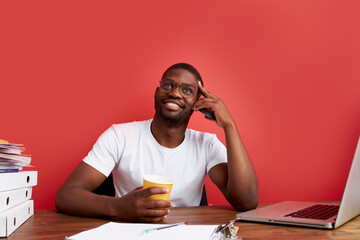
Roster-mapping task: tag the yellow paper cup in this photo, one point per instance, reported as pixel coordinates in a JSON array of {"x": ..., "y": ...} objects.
[{"x": 158, "y": 181}]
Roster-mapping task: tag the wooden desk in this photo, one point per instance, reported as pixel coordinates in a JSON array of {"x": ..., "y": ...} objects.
[{"x": 50, "y": 224}]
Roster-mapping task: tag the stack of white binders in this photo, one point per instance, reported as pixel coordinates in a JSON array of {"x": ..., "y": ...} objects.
[{"x": 16, "y": 205}]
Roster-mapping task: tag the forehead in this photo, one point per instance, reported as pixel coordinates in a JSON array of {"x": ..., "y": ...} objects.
[{"x": 181, "y": 76}]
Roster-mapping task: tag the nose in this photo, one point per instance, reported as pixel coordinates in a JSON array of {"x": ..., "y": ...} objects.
[{"x": 176, "y": 92}]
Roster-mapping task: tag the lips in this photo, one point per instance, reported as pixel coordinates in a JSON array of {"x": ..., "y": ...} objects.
[{"x": 173, "y": 105}]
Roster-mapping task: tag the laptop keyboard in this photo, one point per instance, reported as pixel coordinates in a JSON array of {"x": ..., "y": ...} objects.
[{"x": 317, "y": 211}]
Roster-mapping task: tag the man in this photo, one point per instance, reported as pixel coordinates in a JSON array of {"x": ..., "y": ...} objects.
[{"x": 163, "y": 146}]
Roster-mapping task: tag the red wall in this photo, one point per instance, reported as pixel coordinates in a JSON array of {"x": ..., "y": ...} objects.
[{"x": 287, "y": 70}]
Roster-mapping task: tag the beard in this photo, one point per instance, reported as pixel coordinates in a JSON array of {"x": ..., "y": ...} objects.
[{"x": 173, "y": 120}]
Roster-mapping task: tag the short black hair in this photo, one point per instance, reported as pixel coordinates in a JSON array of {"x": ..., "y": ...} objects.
[{"x": 187, "y": 67}]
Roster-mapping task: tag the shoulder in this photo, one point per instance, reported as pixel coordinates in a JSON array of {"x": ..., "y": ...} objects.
[
  {"x": 130, "y": 127},
  {"x": 207, "y": 144},
  {"x": 200, "y": 137},
  {"x": 118, "y": 134}
]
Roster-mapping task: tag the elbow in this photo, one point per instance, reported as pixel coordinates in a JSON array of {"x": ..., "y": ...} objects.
[
  {"x": 243, "y": 204},
  {"x": 246, "y": 205},
  {"x": 60, "y": 201},
  {"x": 250, "y": 205},
  {"x": 58, "y": 205}
]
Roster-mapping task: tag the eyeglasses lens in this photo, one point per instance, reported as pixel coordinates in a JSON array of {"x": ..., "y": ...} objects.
[{"x": 186, "y": 90}]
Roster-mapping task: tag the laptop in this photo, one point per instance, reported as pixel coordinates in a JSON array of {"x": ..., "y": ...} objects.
[{"x": 317, "y": 215}]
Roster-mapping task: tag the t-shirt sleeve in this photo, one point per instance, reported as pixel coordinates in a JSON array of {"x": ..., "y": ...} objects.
[
  {"x": 217, "y": 153},
  {"x": 105, "y": 152}
]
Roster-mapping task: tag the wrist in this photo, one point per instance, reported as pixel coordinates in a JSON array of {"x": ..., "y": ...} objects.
[
  {"x": 230, "y": 126},
  {"x": 113, "y": 205}
]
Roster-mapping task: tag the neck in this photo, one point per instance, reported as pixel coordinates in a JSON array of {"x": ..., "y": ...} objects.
[{"x": 167, "y": 134}]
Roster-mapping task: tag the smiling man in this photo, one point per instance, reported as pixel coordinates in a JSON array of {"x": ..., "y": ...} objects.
[{"x": 163, "y": 146}]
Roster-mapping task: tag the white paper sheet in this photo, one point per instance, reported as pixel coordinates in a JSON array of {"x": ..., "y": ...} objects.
[{"x": 112, "y": 230}]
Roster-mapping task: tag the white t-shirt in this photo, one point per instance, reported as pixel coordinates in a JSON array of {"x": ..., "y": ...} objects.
[{"x": 130, "y": 151}]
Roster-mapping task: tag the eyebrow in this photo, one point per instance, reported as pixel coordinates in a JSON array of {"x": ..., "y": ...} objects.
[{"x": 188, "y": 84}]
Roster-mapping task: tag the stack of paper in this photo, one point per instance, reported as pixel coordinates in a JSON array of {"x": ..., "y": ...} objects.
[
  {"x": 135, "y": 231},
  {"x": 16, "y": 205},
  {"x": 11, "y": 157}
]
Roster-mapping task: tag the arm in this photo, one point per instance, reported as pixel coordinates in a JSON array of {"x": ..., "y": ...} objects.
[
  {"x": 236, "y": 179},
  {"x": 75, "y": 197}
]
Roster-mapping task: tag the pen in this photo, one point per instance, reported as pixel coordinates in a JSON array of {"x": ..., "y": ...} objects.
[{"x": 161, "y": 228}]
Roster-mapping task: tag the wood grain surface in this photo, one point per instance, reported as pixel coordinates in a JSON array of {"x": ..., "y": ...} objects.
[{"x": 50, "y": 224}]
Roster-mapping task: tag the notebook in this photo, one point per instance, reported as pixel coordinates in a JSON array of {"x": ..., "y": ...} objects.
[{"x": 302, "y": 213}]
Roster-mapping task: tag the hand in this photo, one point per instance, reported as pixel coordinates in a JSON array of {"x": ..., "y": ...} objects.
[
  {"x": 215, "y": 104},
  {"x": 137, "y": 207}
]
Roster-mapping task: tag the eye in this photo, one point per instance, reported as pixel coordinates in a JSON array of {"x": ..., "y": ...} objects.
[
  {"x": 166, "y": 85},
  {"x": 188, "y": 90}
]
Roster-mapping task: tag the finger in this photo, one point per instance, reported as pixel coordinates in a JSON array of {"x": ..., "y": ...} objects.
[
  {"x": 203, "y": 91},
  {"x": 204, "y": 103},
  {"x": 155, "y": 190},
  {"x": 148, "y": 217},
  {"x": 155, "y": 212},
  {"x": 150, "y": 204},
  {"x": 157, "y": 204},
  {"x": 153, "y": 220}
]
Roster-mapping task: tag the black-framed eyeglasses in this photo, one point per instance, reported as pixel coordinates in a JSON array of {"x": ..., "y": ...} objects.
[{"x": 186, "y": 90}]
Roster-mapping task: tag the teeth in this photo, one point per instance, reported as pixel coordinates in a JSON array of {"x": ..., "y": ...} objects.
[{"x": 172, "y": 104}]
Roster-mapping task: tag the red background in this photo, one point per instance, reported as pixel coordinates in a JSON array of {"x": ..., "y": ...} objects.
[{"x": 287, "y": 70}]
